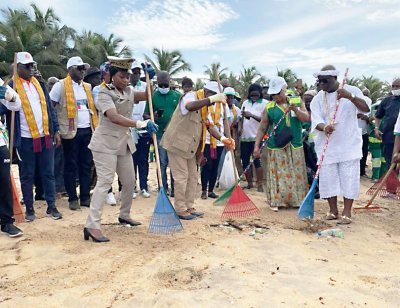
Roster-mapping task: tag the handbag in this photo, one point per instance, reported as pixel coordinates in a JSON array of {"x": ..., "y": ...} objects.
[{"x": 284, "y": 136}]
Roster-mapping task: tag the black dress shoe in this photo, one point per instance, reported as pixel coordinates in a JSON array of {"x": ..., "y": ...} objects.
[
  {"x": 85, "y": 203},
  {"x": 87, "y": 235},
  {"x": 129, "y": 221},
  {"x": 212, "y": 195}
]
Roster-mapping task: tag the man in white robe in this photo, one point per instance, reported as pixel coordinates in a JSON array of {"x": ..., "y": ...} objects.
[{"x": 340, "y": 171}]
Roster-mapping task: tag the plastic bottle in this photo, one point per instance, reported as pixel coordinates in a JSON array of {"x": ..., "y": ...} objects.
[{"x": 330, "y": 232}]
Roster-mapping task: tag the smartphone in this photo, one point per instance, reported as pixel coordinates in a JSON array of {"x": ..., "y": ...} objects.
[{"x": 160, "y": 112}]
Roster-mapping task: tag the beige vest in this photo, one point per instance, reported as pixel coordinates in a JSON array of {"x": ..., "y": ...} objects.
[
  {"x": 108, "y": 137},
  {"x": 62, "y": 116},
  {"x": 183, "y": 134}
]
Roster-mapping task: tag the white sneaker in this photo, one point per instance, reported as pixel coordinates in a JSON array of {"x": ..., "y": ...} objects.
[
  {"x": 134, "y": 195},
  {"x": 111, "y": 199},
  {"x": 145, "y": 194}
]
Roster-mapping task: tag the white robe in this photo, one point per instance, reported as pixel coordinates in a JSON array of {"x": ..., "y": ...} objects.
[{"x": 345, "y": 143}]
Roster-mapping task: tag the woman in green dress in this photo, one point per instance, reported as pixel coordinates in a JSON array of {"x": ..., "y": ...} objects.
[{"x": 285, "y": 172}]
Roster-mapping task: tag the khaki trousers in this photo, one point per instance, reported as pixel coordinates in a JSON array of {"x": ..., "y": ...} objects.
[
  {"x": 106, "y": 166},
  {"x": 185, "y": 175}
]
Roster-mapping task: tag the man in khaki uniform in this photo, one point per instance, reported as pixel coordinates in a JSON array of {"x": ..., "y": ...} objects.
[
  {"x": 182, "y": 139},
  {"x": 112, "y": 146}
]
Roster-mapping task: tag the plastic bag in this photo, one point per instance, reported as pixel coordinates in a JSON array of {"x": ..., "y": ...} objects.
[{"x": 227, "y": 177}]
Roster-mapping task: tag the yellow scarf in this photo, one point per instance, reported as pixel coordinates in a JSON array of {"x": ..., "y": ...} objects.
[
  {"x": 30, "y": 118},
  {"x": 102, "y": 85},
  {"x": 234, "y": 112},
  {"x": 71, "y": 105}
]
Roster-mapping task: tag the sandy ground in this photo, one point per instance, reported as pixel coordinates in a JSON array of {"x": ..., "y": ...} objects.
[{"x": 287, "y": 266}]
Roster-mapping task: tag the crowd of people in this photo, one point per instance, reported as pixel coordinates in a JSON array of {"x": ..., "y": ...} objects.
[{"x": 78, "y": 132}]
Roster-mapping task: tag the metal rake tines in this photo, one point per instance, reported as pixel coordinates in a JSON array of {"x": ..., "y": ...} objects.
[
  {"x": 242, "y": 209},
  {"x": 164, "y": 223}
]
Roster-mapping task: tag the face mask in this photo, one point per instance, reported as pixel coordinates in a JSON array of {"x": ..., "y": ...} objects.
[
  {"x": 163, "y": 90},
  {"x": 396, "y": 92}
]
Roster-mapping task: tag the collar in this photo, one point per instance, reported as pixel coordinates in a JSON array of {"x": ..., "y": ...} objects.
[
  {"x": 28, "y": 82},
  {"x": 79, "y": 84}
]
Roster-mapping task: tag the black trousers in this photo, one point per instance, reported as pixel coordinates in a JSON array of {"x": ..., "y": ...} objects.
[
  {"x": 388, "y": 153},
  {"x": 78, "y": 159},
  {"x": 141, "y": 160},
  {"x": 6, "y": 199},
  {"x": 210, "y": 170},
  {"x": 363, "y": 161}
]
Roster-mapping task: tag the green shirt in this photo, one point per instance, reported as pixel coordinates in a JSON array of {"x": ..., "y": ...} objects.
[{"x": 168, "y": 103}]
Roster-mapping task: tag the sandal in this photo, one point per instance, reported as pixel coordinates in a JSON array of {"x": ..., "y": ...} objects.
[
  {"x": 331, "y": 216},
  {"x": 344, "y": 220}
]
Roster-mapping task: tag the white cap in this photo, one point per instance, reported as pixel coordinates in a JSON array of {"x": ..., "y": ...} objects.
[
  {"x": 229, "y": 91},
  {"x": 76, "y": 61},
  {"x": 276, "y": 84},
  {"x": 136, "y": 64},
  {"x": 24, "y": 57},
  {"x": 212, "y": 86}
]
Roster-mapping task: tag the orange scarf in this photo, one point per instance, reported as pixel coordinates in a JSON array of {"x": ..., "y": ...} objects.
[
  {"x": 71, "y": 105},
  {"x": 30, "y": 118}
]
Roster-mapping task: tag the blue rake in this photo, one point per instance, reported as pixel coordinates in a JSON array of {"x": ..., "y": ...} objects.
[
  {"x": 164, "y": 219},
  {"x": 306, "y": 210}
]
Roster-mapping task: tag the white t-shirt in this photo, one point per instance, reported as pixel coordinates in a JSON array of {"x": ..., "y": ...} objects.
[
  {"x": 138, "y": 109},
  {"x": 34, "y": 101},
  {"x": 397, "y": 126},
  {"x": 82, "y": 103},
  {"x": 250, "y": 126},
  {"x": 361, "y": 123},
  {"x": 219, "y": 127},
  {"x": 345, "y": 142},
  {"x": 231, "y": 116}
]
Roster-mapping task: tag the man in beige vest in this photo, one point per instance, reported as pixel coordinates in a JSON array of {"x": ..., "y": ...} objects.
[
  {"x": 77, "y": 117},
  {"x": 182, "y": 139}
]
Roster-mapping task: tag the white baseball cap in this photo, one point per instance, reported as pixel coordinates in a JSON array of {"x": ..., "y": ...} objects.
[
  {"x": 24, "y": 57},
  {"x": 136, "y": 64},
  {"x": 212, "y": 86},
  {"x": 276, "y": 84},
  {"x": 229, "y": 91},
  {"x": 77, "y": 61}
]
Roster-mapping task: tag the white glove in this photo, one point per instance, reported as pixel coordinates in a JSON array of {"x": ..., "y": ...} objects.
[
  {"x": 220, "y": 97},
  {"x": 10, "y": 96},
  {"x": 141, "y": 124}
]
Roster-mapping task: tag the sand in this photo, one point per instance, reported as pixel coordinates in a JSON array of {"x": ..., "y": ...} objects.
[{"x": 216, "y": 266}]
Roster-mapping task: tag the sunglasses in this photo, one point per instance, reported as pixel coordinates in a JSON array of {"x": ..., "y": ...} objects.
[
  {"x": 395, "y": 86},
  {"x": 80, "y": 68},
  {"x": 28, "y": 66},
  {"x": 163, "y": 85},
  {"x": 323, "y": 80}
]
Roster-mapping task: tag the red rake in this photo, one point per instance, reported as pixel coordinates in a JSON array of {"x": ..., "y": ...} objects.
[
  {"x": 239, "y": 205},
  {"x": 391, "y": 185},
  {"x": 377, "y": 190}
]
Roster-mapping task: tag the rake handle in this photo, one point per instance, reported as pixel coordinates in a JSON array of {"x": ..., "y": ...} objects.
[
  {"x": 381, "y": 185},
  {"x": 11, "y": 143},
  {"x": 149, "y": 94}
]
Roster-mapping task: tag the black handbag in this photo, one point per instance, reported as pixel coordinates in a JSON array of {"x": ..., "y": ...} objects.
[{"x": 284, "y": 137}]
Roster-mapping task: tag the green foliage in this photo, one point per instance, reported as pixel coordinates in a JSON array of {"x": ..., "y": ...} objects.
[{"x": 169, "y": 61}]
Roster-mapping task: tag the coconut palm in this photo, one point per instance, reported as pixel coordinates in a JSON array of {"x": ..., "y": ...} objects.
[
  {"x": 169, "y": 61},
  {"x": 289, "y": 76},
  {"x": 376, "y": 87},
  {"x": 209, "y": 70}
]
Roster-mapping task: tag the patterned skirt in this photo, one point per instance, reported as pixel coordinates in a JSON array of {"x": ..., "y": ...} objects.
[{"x": 286, "y": 177}]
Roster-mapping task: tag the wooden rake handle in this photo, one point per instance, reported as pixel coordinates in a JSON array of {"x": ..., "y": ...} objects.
[{"x": 381, "y": 185}]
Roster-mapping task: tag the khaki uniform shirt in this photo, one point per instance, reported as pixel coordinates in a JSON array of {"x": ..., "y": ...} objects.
[{"x": 111, "y": 138}]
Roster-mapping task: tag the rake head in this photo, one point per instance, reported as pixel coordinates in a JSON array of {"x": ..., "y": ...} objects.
[
  {"x": 164, "y": 219},
  {"x": 306, "y": 210},
  {"x": 239, "y": 205},
  {"x": 225, "y": 196}
]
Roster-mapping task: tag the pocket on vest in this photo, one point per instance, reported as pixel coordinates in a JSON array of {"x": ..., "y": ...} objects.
[{"x": 183, "y": 143}]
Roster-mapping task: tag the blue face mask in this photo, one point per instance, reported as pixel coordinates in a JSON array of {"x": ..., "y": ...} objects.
[{"x": 163, "y": 90}]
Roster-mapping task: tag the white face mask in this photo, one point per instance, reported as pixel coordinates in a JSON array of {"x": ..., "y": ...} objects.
[
  {"x": 163, "y": 90},
  {"x": 396, "y": 92}
]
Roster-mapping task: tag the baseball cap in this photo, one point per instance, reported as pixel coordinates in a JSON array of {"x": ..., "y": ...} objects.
[
  {"x": 92, "y": 71},
  {"x": 212, "y": 86},
  {"x": 24, "y": 57},
  {"x": 76, "y": 61},
  {"x": 229, "y": 91},
  {"x": 276, "y": 84}
]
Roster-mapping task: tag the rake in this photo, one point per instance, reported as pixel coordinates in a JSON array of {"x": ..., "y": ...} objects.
[
  {"x": 391, "y": 185},
  {"x": 306, "y": 210},
  {"x": 377, "y": 191},
  {"x": 164, "y": 219}
]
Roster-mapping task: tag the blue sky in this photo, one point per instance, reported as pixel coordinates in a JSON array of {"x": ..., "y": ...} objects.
[{"x": 302, "y": 35}]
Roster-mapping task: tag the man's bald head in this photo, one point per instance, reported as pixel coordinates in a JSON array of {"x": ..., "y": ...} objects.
[
  {"x": 366, "y": 92},
  {"x": 225, "y": 83},
  {"x": 328, "y": 67},
  {"x": 163, "y": 77}
]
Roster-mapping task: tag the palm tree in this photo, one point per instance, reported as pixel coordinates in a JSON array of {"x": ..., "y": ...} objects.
[
  {"x": 209, "y": 70},
  {"x": 376, "y": 87},
  {"x": 169, "y": 61},
  {"x": 354, "y": 81},
  {"x": 289, "y": 76}
]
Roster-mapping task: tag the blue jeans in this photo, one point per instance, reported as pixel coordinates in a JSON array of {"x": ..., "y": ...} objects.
[
  {"x": 141, "y": 160},
  {"x": 164, "y": 164},
  {"x": 59, "y": 166},
  {"x": 45, "y": 162}
]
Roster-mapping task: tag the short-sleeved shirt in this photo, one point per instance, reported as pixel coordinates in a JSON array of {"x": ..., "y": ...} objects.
[
  {"x": 220, "y": 126},
  {"x": 82, "y": 103},
  {"x": 138, "y": 108},
  {"x": 389, "y": 111},
  {"x": 362, "y": 123},
  {"x": 250, "y": 126},
  {"x": 397, "y": 126},
  {"x": 168, "y": 103}
]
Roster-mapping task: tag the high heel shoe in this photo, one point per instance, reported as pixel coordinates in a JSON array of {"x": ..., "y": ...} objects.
[{"x": 87, "y": 235}]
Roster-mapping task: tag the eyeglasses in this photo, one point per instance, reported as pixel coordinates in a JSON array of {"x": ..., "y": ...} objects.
[
  {"x": 80, "y": 67},
  {"x": 396, "y": 86},
  {"x": 28, "y": 65},
  {"x": 323, "y": 80},
  {"x": 163, "y": 85}
]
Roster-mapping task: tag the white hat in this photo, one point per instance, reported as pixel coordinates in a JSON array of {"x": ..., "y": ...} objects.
[
  {"x": 76, "y": 61},
  {"x": 276, "y": 84},
  {"x": 229, "y": 91},
  {"x": 212, "y": 86},
  {"x": 24, "y": 57},
  {"x": 136, "y": 64}
]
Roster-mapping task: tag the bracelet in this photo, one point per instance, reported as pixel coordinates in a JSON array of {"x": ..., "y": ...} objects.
[{"x": 325, "y": 126}]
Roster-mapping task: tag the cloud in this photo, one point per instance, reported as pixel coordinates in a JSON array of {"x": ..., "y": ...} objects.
[
  {"x": 384, "y": 15},
  {"x": 172, "y": 24}
]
